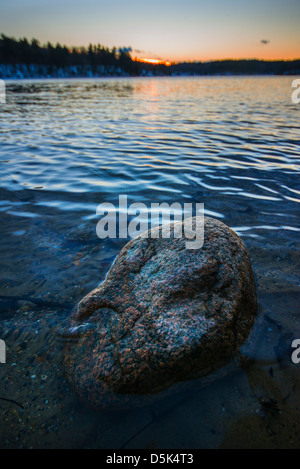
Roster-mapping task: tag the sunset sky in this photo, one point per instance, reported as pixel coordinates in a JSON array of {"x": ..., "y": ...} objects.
[{"x": 173, "y": 30}]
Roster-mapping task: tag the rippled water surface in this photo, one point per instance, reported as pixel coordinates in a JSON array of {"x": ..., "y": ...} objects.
[{"x": 66, "y": 146}]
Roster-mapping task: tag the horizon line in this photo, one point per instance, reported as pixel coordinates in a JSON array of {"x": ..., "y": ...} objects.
[{"x": 154, "y": 60}]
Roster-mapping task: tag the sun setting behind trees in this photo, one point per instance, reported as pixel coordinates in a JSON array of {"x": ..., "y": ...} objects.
[
  {"x": 153, "y": 61},
  {"x": 30, "y": 59}
]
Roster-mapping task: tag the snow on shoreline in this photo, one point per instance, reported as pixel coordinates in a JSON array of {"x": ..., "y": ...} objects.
[{"x": 23, "y": 71}]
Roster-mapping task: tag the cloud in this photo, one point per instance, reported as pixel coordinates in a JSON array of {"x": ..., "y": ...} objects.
[{"x": 265, "y": 41}]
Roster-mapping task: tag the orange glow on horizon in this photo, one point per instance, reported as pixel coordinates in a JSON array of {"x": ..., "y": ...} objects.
[
  {"x": 153, "y": 61},
  {"x": 219, "y": 57},
  {"x": 278, "y": 56}
]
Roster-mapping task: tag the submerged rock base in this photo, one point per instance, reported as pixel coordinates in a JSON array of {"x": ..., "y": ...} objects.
[{"x": 165, "y": 314}]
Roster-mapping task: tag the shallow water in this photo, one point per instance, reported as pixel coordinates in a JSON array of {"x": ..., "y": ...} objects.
[{"x": 68, "y": 145}]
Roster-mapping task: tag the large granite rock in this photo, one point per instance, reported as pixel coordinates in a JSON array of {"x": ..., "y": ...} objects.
[{"x": 164, "y": 314}]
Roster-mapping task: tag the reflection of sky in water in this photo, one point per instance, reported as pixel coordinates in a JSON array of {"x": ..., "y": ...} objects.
[{"x": 221, "y": 141}]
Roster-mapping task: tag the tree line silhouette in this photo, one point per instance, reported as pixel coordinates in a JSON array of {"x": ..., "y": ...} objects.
[
  {"x": 98, "y": 60},
  {"x": 22, "y": 51}
]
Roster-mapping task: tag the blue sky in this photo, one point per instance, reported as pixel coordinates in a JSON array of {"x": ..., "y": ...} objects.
[{"x": 165, "y": 29}]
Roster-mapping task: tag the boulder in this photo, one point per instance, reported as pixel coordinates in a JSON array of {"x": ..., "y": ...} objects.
[{"x": 164, "y": 314}]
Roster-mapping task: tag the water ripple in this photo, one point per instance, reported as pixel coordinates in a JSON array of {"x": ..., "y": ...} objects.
[{"x": 221, "y": 141}]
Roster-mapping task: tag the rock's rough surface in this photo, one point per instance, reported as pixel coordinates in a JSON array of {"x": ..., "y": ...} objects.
[{"x": 163, "y": 315}]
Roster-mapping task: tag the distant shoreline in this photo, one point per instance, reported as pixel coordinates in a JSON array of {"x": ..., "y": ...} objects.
[
  {"x": 132, "y": 77},
  {"x": 31, "y": 71},
  {"x": 23, "y": 59}
]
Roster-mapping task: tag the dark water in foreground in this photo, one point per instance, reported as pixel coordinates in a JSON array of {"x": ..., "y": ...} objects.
[{"x": 66, "y": 146}]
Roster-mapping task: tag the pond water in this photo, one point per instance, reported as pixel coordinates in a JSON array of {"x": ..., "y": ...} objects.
[{"x": 66, "y": 146}]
